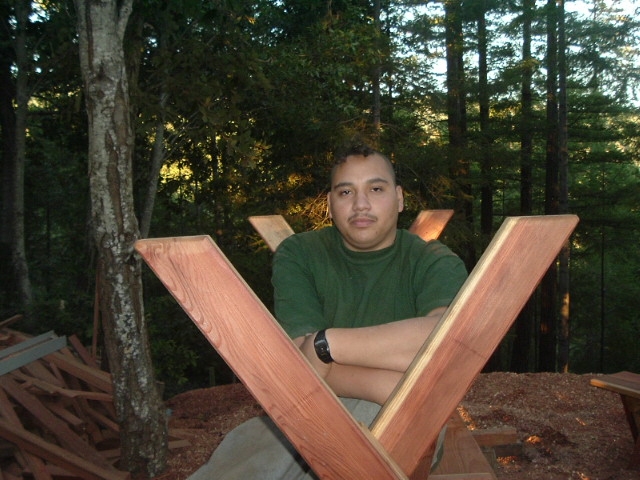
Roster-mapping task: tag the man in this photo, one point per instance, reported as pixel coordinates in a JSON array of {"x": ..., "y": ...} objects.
[
  {"x": 363, "y": 294},
  {"x": 358, "y": 298}
]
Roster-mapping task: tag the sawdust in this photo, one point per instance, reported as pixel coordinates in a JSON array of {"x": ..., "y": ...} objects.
[{"x": 568, "y": 428}]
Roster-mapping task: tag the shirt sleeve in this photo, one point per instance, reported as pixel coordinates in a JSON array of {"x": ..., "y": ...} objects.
[
  {"x": 440, "y": 278},
  {"x": 297, "y": 305}
]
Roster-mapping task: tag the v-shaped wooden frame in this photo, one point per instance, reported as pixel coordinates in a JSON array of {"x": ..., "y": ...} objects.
[
  {"x": 398, "y": 446},
  {"x": 428, "y": 225}
]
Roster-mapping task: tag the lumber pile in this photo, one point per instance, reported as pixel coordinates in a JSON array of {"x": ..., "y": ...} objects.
[{"x": 57, "y": 416}]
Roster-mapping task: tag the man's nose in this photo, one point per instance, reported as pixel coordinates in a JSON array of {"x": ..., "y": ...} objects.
[{"x": 361, "y": 202}]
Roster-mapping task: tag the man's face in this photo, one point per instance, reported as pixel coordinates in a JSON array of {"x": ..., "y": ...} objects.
[{"x": 364, "y": 203}]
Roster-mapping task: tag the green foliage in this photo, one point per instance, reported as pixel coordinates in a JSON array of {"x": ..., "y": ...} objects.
[
  {"x": 605, "y": 271},
  {"x": 181, "y": 355},
  {"x": 174, "y": 342},
  {"x": 60, "y": 313},
  {"x": 254, "y": 97}
]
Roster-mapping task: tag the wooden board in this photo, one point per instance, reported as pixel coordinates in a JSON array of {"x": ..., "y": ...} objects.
[
  {"x": 73, "y": 463},
  {"x": 272, "y": 228},
  {"x": 624, "y": 383},
  {"x": 56, "y": 426},
  {"x": 69, "y": 363},
  {"x": 35, "y": 463},
  {"x": 627, "y": 385},
  {"x": 273, "y": 369},
  {"x": 429, "y": 224},
  {"x": 461, "y": 455},
  {"x": 253, "y": 344},
  {"x": 26, "y": 352},
  {"x": 54, "y": 418},
  {"x": 467, "y": 335}
]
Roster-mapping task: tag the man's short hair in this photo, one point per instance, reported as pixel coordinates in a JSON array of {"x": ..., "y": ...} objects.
[{"x": 359, "y": 149}]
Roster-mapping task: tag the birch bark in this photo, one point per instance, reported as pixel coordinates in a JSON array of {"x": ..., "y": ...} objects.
[{"x": 143, "y": 434}]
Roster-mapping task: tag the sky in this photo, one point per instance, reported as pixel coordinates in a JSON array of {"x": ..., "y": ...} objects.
[{"x": 583, "y": 6}]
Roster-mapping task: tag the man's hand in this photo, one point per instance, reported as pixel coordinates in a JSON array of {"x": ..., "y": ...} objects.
[
  {"x": 388, "y": 346},
  {"x": 370, "y": 361},
  {"x": 350, "y": 381}
]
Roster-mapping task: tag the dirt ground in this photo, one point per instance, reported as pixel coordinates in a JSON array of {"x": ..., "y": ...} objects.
[{"x": 568, "y": 428}]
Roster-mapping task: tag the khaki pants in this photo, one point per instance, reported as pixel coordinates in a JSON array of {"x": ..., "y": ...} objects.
[{"x": 258, "y": 450}]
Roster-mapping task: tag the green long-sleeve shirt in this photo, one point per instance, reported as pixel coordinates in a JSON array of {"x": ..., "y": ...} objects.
[{"x": 319, "y": 283}]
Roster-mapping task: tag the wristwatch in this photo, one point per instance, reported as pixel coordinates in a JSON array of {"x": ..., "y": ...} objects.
[{"x": 322, "y": 346}]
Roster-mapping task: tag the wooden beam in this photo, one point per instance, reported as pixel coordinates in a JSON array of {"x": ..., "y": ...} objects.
[
  {"x": 40, "y": 371},
  {"x": 30, "y": 350},
  {"x": 26, "y": 344},
  {"x": 91, "y": 375},
  {"x": 627, "y": 385},
  {"x": 10, "y": 321},
  {"x": 624, "y": 383},
  {"x": 56, "y": 426},
  {"x": 495, "y": 437},
  {"x": 272, "y": 228},
  {"x": 34, "y": 462},
  {"x": 83, "y": 468},
  {"x": 253, "y": 344},
  {"x": 66, "y": 361},
  {"x": 467, "y": 335},
  {"x": 429, "y": 224},
  {"x": 461, "y": 455},
  {"x": 63, "y": 392},
  {"x": 82, "y": 351}
]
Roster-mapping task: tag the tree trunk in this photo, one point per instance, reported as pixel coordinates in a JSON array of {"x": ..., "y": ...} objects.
[
  {"x": 158, "y": 154},
  {"x": 486, "y": 189},
  {"x": 135, "y": 45},
  {"x": 16, "y": 164},
  {"x": 521, "y": 356},
  {"x": 377, "y": 73},
  {"x": 549, "y": 287},
  {"x": 141, "y": 415},
  {"x": 8, "y": 157},
  {"x": 157, "y": 160},
  {"x": 563, "y": 174},
  {"x": 457, "y": 122},
  {"x": 486, "y": 194}
]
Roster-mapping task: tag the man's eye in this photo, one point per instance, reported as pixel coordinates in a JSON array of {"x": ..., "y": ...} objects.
[
  {"x": 378, "y": 189},
  {"x": 345, "y": 192}
]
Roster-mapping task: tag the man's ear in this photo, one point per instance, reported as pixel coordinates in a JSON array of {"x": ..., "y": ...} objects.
[
  {"x": 400, "y": 197},
  {"x": 329, "y": 205}
]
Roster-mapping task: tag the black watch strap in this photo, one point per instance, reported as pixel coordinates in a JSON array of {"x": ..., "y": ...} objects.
[{"x": 322, "y": 347}]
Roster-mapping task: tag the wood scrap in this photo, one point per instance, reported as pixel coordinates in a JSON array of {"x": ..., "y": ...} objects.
[{"x": 57, "y": 415}]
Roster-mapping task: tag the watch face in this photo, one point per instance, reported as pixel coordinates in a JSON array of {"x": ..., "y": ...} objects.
[{"x": 321, "y": 347}]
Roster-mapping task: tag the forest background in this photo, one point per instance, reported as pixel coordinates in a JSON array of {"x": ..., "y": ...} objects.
[{"x": 492, "y": 108}]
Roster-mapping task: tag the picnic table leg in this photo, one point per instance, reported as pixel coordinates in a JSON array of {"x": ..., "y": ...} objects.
[
  {"x": 635, "y": 456},
  {"x": 632, "y": 411}
]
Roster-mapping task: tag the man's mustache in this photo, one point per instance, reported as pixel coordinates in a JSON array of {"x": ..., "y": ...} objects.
[{"x": 359, "y": 216}]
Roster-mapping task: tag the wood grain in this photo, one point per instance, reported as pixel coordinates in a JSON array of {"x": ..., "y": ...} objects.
[
  {"x": 272, "y": 228},
  {"x": 252, "y": 343},
  {"x": 624, "y": 383},
  {"x": 429, "y": 224},
  {"x": 462, "y": 455},
  {"x": 73, "y": 463},
  {"x": 467, "y": 335}
]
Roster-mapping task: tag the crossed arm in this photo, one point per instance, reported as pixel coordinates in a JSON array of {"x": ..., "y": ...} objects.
[{"x": 370, "y": 361}]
